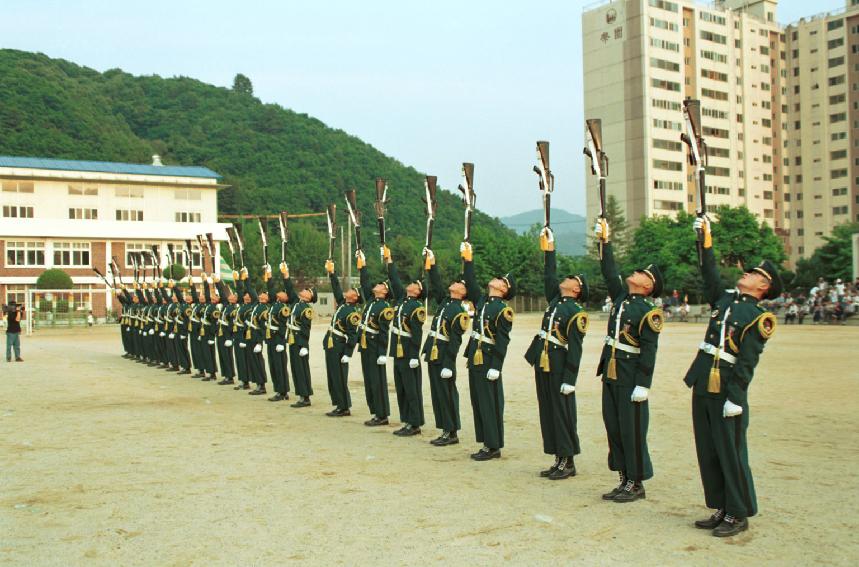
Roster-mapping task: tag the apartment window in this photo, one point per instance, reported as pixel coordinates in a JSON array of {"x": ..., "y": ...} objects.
[
  {"x": 768, "y": 195},
  {"x": 720, "y": 114},
  {"x": 663, "y": 64},
  {"x": 664, "y": 5},
  {"x": 765, "y": 86},
  {"x": 715, "y": 190},
  {"x": 838, "y": 154},
  {"x": 738, "y": 44},
  {"x": 839, "y": 80},
  {"x": 836, "y": 61},
  {"x": 799, "y": 214},
  {"x": 765, "y": 68},
  {"x": 188, "y": 194},
  {"x": 716, "y": 95},
  {"x": 667, "y": 124},
  {"x": 714, "y": 75},
  {"x": 715, "y": 132},
  {"x": 839, "y": 192},
  {"x": 17, "y": 186},
  {"x": 768, "y": 213},
  {"x": 17, "y": 212},
  {"x": 129, "y": 215},
  {"x": 837, "y": 173},
  {"x": 766, "y": 122},
  {"x": 83, "y": 214},
  {"x": 663, "y": 24},
  {"x": 187, "y": 217},
  {"x": 708, "y": 17},
  {"x": 713, "y": 56},
  {"x": 834, "y": 25},
  {"x": 130, "y": 192},
  {"x": 833, "y": 43},
  {"x": 19, "y": 253},
  {"x": 839, "y": 210},
  {"x": 666, "y": 164},
  {"x": 835, "y": 99},
  {"x": 838, "y": 136},
  {"x": 797, "y": 160},
  {"x": 71, "y": 254},
  {"x": 799, "y": 180},
  {"x": 667, "y": 145},
  {"x": 713, "y": 151},
  {"x": 670, "y": 185},
  {"x": 662, "y": 44},
  {"x": 85, "y": 190},
  {"x": 837, "y": 117},
  {"x": 765, "y": 50},
  {"x": 718, "y": 171},
  {"x": 667, "y": 85},
  {"x": 715, "y": 37},
  {"x": 767, "y": 177},
  {"x": 665, "y": 104},
  {"x": 668, "y": 205},
  {"x": 766, "y": 158}
]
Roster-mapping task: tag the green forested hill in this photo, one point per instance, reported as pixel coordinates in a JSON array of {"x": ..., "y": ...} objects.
[{"x": 273, "y": 158}]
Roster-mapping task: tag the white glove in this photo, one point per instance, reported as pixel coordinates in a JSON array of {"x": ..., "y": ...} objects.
[
  {"x": 211, "y": 342},
  {"x": 493, "y": 374},
  {"x": 414, "y": 363},
  {"x": 699, "y": 223},
  {"x": 731, "y": 409},
  {"x": 171, "y": 336},
  {"x": 228, "y": 343},
  {"x": 598, "y": 230},
  {"x": 359, "y": 255},
  {"x": 267, "y": 268},
  {"x": 279, "y": 348},
  {"x": 548, "y": 233},
  {"x": 303, "y": 352},
  {"x": 183, "y": 337},
  {"x": 382, "y": 360},
  {"x": 209, "y": 281},
  {"x": 428, "y": 253},
  {"x": 446, "y": 373},
  {"x": 161, "y": 334},
  {"x": 344, "y": 359},
  {"x": 242, "y": 345},
  {"x": 567, "y": 389},
  {"x": 639, "y": 394},
  {"x": 151, "y": 331},
  {"x": 258, "y": 348}
]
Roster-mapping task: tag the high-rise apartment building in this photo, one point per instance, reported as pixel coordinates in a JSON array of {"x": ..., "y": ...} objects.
[{"x": 778, "y": 109}]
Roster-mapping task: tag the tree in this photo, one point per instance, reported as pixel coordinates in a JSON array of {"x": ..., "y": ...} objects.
[
  {"x": 174, "y": 272},
  {"x": 741, "y": 240},
  {"x": 618, "y": 227},
  {"x": 54, "y": 279},
  {"x": 242, "y": 85},
  {"x": 832, "y": 260}
]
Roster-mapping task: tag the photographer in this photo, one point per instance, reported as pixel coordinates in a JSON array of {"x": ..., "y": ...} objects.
[{"x": 14, "y": 314}]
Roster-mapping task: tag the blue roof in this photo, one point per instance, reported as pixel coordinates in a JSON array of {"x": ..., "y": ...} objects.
[{"x": 108, "y": 167}]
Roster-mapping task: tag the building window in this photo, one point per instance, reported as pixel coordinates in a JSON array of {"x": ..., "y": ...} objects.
[
  {"x": 834, "y": 25},
  {"x": 16, "y": 293},
  {"x": 714, "y": 37},
  {"x": 670, "y": 185},
  {"x": 188, "y": 194},
  {"x": 179, "y": 255},
  {"x": 837, "y": 173},
  {"x": 130, "y": 192},
  {"x": 768, "y": 195},
  {"x": 662, "y": 44},
  {"x": 668, "y": 205},
  {"x": 837, "y": 117},
  {"x": 708, "y": 17},
  {"x": 129, "y": 215},
  {"x": 187, "y": 217},
  {"x": 839, "y": 192},
  {"x": 83, "y": 214},
  {"x": 668, "y": 165},
  {"x": 663, "y": 24},
  {"x": 19, "y": 253},
  {"x": 715, "y": 132},
  {"x": 85, "y": 190},
  {"x": 838, "y": 154},
  {"x": 715, "y": 190},
  {"x": 835, "y": 99},
  {"x": 17, "y": 186},
  {"x": 717, "y": 95},
  {"x": 713, "y": 56},
  {"x": 667, "y": 85},
  {"x": 836, "y": 61},
  {"x": 839, "y": 80},
  {"x": 667, "y": 124},
  {"x": 15, "y": 212},
  {"x": 667, "y": 145},
  {"x": 713, "y": 151},
  {"x": 833, "y": 43},
  {"x": 839, "y": 210},
  {"x": 71, "y": 254},
  {"x": 663, "y": 64},
  {"x": 665, "y": 104},
  {"x": 714, "y": 75}
]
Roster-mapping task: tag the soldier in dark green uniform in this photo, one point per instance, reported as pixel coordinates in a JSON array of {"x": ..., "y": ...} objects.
[
  {"x": 373, "y": 343},
  {"x": 254, "y": 337},
  {"x": 555, "y": 354},
  {"x": 239, "y": 330},
  {"x": 195, "y": 330},
  {"x": 275, "y": 318},
  {"x": 440, "y": 350},
  {"x": 225, "y": 334},
  {"x": 167, "y": 315},
  {"x": 127, "y": 304},
  {"x": 298, "y": 336},
  {"x": 485, "y": 353},
  {"x": 720, "y": 377},
  {"x": 405, "y": 348},
  {"x": 209, "y": 315},
  {"x": 626, "y": 366},
  {"x": 181, "y": 316},
  {"x": 340, "y": 342}
]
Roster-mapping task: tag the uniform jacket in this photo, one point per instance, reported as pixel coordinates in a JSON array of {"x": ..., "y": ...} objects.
[
  {"x": 407, "y": 323},
  {"x": 493, "y": 320},
  {"x": 343, "y": 329},
  {"x": 451, "y": 321},
  {"x": 376, "y": 320},
  {"x": 300, "y": 317}
]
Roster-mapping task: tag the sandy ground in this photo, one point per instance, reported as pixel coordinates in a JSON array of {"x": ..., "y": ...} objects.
[{"x": 107, "y": 462}]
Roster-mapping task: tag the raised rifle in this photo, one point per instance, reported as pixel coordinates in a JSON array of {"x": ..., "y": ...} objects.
[
  {"x": 114, "y": 267},
  {"x": 240, "y": 243},
  {"x": 231, "y": 246},
  {"x": 284, "y": 235},
  {"x": 355, "y": 216},
  {"x": 468, "y": 197},
  {"x": 430, "y": 185},
  {"x": 547, "y": 179},
  {"x": 156, "y": 261},
  {"x": 262, "y": 222},
  {"x": 599, "y": 160},
  {"x": 381, "y": 201},
  {"x": 210, "y": 246},
  {"x": 332, "y": 227},
  {"x": 190, "y": 262},
  {"x": 202, "y": 247},
  {"x": 104, "y": 279},
  {"x": 697, "y": 159},
  {"x": 171, "y": 259}
]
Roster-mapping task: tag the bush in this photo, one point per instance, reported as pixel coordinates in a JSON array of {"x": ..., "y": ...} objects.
[
  {"x": 174, "y": 272},
  {"x": 54, "y": 279}
]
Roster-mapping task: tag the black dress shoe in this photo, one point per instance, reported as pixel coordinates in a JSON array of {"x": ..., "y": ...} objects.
[
  {"x": 486, "y": 454},
  {"x": 616, "y": 490},
  {"x": 207, "y": 379},
  {"x": 712, "y": 522},
  {"x": 411, "y": 431},
  {"x": 257, "y": 392},
  {"x": 546, "y": 473},
  {"x": 226, "y": 381},
  {"x": 184, "y": 372},
  {"x": 731, "y": 526},
  {"x": 565, "y": 469},
  {"x": 377, "y": 421},
  {"x": 276, "y": 398},
  {"x": 446, "y": 440},
  {"x": 213, "y": 376},
  {"x": 241, "y": 386},
  {"x": 301, "y": 403},
  {"x": 199, "y": 375},
  {"x": 344, "y": 413},
  {"x": 399, "y": 432},
  {"x": 631, "y": 492},
  {"x": 333, "y": 413}
]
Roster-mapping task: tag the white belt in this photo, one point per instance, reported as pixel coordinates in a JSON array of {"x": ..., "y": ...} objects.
[
  {"x": 223, "y": 322},
  {"x": 193, "y": 320},
  {"x": 620, "y": 346},
  {"x": 438, "y": 336},
  {"x": 273, "y": 327},
  {"x": 292, "y": 327},
  {"x": 338, "y": 333},
  {"x": 398, "y": 331},
  {"x": 483, "y": 338},
  {"x": 712, "y": 350},
  {"x": 239, "y": 323},
  {"x": 552, "y": 339},
  {"x": 252, "y": 326},
  {"x": 368, "y": 329}
]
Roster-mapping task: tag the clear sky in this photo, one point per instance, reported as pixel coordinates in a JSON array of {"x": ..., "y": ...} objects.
[{"x": 432, "y": 84}]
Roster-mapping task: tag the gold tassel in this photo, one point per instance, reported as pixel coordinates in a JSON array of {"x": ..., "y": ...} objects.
[
  {"x": 364, "y": 340},
  {"x": 434, "y": 351},
  {"x": 220, "y": 330},
  {"x": 330, "y": 339},
  {"x": 290, "y": 340},
  {"x": 478, "y": 356},
  {"x": 267, "y": 333},
  {"x": 544, "y": 358},
  {"x": 714, "y": 385},
  {"x": 611, "y": 373},
  {"x": 248, "y": 335},
  {"x": 202, "y": 331},
  {"x": 400, "y": 353}
]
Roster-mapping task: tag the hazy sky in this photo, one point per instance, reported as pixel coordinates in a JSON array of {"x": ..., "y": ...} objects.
[{"x": 432, "y": 84}]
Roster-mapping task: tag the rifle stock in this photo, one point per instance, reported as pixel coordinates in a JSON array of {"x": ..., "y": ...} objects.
[
  {"x": 263, "y": 228},
  {"x": 355, "y": 215},
  {"x": 547, "y": 180},
  {"x": 210, "y": 246},
  {"x": 599, "y": 161},
  {"x": 698, "y": 159}
]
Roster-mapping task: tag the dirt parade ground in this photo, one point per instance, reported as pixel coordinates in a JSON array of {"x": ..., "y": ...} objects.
[{"x": 108, "y": 462}]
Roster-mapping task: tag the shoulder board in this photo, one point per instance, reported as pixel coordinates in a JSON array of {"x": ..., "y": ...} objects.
[
  {"x": 387, "y": 313},
  {"x": 581, "y": 319},
  {"x": 355, "y": 317},
  {"x": 766, "y": 323},
  {"x": 308, "y": 313},
  {"x": 507, "y": 313},
  {"x": 654, "y": 319},
  {"x": 420, "y": 313}
]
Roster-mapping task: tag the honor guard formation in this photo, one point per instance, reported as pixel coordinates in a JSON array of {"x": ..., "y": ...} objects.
[{"x": 414, "y": 325}]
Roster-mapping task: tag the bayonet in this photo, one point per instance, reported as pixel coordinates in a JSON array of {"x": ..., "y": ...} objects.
[
  {"x": 332, "y": 227},
  {"x": 430, "y": 185},
  {"x": 263, "y": 228},
  {"x": 240, "y": 243},
  {"x": 355, "y": 216},
  {"x": 284, "y": 235},
  {"x": 468, "y": 197},
  {"x": 381, "y": 201},
  {"x": 547, "y": 179}
]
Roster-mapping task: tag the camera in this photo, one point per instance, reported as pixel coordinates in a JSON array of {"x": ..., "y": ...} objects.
[{"x": 13, "y": 309}]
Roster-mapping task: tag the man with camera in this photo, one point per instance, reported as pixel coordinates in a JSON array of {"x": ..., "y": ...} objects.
[{"x": 14, "y": 314}]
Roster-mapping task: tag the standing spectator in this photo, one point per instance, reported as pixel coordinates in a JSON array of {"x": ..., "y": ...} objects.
[
  {"x": 14, "y": 312},
  {"x": 791, "y": 313},
  {"x": 839, "y": 288},
  {"x": 89, "y": 319}
]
